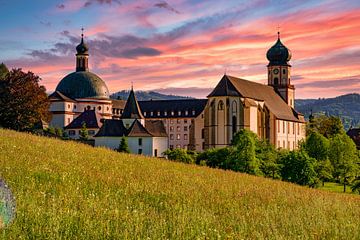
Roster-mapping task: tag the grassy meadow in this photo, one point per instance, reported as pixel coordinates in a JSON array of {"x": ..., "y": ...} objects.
[{"x": 66, "y": 190}]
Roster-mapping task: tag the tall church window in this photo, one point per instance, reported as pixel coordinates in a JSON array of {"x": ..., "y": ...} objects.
[
  {"x": 234, "y": 127},
  {"x": 234, "y": 107},
  {"x": 221, "y": 105}
]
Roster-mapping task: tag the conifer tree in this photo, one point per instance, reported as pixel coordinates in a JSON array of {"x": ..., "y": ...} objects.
[
  {"x": 123, "y": 147},
  {"x": 84, "y": 135}
]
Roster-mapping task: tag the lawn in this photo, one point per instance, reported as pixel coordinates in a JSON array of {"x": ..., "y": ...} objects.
[
  {"x": 335, "y": 187},
  {"x": 66, "y": 190}
]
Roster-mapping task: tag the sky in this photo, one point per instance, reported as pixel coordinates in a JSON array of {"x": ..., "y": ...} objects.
[{"x": 184, "y": 47}]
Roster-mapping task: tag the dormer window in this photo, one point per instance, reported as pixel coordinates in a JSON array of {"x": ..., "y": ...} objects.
[
  {"x": 172, "y": 113},
  {"x": 144, "y": 114},
  {"x": 158, "y": 113},
  {"x": 186, "y": 112},
  {"x": 151, "y": 114},
  {"x": 179, "y": 113},
  {"x": 193, "y": 112}
]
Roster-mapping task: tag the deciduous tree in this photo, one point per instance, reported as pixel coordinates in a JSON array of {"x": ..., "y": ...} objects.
[
  {"x": 23, "y": 102},
  {"x": 344, "y": 157}
]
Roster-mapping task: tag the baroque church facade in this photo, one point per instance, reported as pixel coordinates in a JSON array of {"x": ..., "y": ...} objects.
[
  {"x": 267, "y": 110},
  {"x": 151, "y": 127}
]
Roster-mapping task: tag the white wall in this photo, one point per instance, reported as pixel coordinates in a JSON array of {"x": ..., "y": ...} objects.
[
  {"x": 148, "y": 144},
  {"x": 160, "y": 143}
]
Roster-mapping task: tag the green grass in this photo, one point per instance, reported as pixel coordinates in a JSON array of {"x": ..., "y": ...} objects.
[
  {"x": 335, "y": 187},
  {"x": 72, "y": 191}
]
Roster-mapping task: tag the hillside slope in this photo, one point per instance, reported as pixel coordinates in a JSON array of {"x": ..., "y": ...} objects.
[
  {"x": 347, "y": 107},
  {"x": 68, "y": 190}
]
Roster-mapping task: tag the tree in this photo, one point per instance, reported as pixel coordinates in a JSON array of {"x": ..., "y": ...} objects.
[
  {"x": 23, "y": 102},
  {"x": 324, "y": 170},
  {"x": 268, "y": 158},
  {"x": 84, "y": 135},
  {"x": 243, "y": 157},
  {"x": 327, "y": 126},
  {"x": 298, "y": 167},
  {"x": 123, "y": 147},
  {"x": 3, "y": 70},
  {"x": 356, "y": 186},
  {"x": 317, "y": 146},
  {"x": 215, "y": 157},
  {"x": 344, "y": 157}
]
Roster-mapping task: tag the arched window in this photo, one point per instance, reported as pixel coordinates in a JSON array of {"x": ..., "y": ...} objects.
[
  {"x": 221, "y": 105},
  {"x": 234, "y": 107}
]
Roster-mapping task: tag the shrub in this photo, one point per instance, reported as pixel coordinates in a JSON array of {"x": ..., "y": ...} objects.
[{"x": 179, "y": 155}]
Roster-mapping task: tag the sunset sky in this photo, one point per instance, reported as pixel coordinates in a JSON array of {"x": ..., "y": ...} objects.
[{"x": 184, "y": 46}]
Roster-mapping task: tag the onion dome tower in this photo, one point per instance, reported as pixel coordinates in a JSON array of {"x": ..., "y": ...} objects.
[
  {"x": 279, "y": 71},
  {"x": 82, "y": 83}
]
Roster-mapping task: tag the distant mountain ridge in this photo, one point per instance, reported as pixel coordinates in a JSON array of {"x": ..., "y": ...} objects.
[
  {"x": 347, "y": 107},
  {"x": 146, "y": 95}
]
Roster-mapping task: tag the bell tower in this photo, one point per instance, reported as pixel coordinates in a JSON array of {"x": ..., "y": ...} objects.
[
  {"x": 279, "y": 71},
  {"x": 82, "y": 55}
]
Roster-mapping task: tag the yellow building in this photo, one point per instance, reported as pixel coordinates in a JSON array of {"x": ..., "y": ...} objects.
[{"x": 267, "y": 110}]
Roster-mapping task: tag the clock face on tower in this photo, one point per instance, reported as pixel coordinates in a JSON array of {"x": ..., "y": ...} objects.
[{"x": 276, "y": 71}]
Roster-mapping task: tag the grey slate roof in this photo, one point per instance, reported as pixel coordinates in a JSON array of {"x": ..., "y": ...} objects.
[
  {"x": 119, "y": 104},
  {"x": 132, "y": 109},
  {"x": 232, "y": 86},
  {"x": 61, "y": 97},
  {"x": 91, "y": 118},
  {"x": 175, "y": 106},
  {"x": 115, "y": 128}
]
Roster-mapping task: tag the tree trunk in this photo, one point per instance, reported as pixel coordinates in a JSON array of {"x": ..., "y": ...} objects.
[
  {"x": 323, "y": 183},
  {"x": 344, "y": 186}
]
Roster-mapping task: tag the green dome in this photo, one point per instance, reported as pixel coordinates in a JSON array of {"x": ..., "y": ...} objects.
[{"x": 83, "y": 84}]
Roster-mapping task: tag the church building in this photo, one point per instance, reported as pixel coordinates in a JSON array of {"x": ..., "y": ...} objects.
[
  {"x": 151, "y": 127},
  {"x": 267, "y": 110},
  {"x": 79, "y": 91}
]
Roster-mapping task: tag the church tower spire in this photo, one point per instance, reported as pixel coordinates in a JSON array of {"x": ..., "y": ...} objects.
[
  {"x": 82, "y": 55},
  {"x": 279, "y": 71}
]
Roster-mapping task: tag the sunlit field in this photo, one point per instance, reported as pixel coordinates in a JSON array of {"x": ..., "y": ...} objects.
[{"x": 72, "y": 191}]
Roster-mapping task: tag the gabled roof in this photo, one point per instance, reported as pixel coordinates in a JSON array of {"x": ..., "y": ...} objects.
[
  {"x": 132, "y": 109},
  {"x": 156, "y": 128},
  {"x": 116, "y": 103},
  {"x": 57, "y": 95},
  {"x": 176, "y": 106},
  {"x": 112, "y": 128},
  {"x": 90, "y": 117},
  {"x": 115, "y": 128},
  {"x": 232, "y": 86},
  {"x": 138, "y": 130}
]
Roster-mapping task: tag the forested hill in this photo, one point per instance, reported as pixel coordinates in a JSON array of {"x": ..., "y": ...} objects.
[
  {"x": 146, "y": 95},
  {"x": 347, "y": 107}
]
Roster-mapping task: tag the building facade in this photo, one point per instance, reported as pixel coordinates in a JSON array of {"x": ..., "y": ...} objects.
[
  {"x": 79, "y": 91},
  {"x": 147, "y": 137},
  {"x": 267, "y": 110},
  {"x": 183, "y": 120}
]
